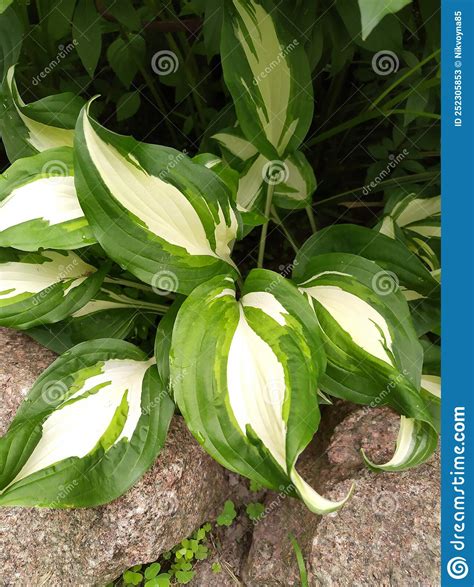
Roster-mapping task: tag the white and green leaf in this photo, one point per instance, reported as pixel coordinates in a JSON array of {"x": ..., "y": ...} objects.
[
  {"x": 412, "y": 211},
  {"x": 31, "y": 128},
  {"x": 419, "y": 215},
  {"x": 373, "y": 352},
  {"x": 109, "y": 314},
  {"x": 39, "y": 206},
  {"x": 267, "y": 72},
  {"x": 45, "y": 287},
  {"x": 417, "y": 440},
  {"x": 417, "y": 222},
  {"x": 391, "y": 255},
  {"x": 152, "y": 209},
  {"x": 293, "y": 178},
  {"x": 91, "y": 425},
  {"x": 245, "y": 378}
]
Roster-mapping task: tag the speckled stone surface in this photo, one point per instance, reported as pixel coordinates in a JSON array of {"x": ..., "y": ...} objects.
[
  {"x": 373, "y": 429},
  {"x": 387, "y": 534},
  {"x": 271, "y": 560},
  {"x": 184, "y": 489}
]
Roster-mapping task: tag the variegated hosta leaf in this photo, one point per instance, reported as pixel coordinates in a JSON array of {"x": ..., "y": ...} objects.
[
  {"x": 372, "y": 348},
  {"x": 167, "y": 220},
  {"x": 234, "y": 145},
  {"x": 392, "y": 255},
  {"x": 245, "y": 377},
  {"x": 163, "y": 338},
  {"x": 267, "y": 72},
  {"x": 417, "y": 215},
  {"x": 43, "y": 288},
  {"x": 428, "y": 250},
  {"x": 372, "y": 12},
  {"x": 91, "y": 425},
  {"x": 31, "y": 128},
  {"x": 417, "y": 440},
  {"x": 39, "y": 206},
  {"x": 417, "y": 222},
  {"x": 293, "y": 178},
  {"x": 228, "y": 175},
  {"x": 109, "y": 314}
]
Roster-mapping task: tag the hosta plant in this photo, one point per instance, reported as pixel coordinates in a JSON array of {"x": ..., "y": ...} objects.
[{"x": 107, "y": 239}]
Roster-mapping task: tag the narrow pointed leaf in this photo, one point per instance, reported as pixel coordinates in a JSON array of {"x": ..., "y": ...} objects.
[
  {"x": 233, "y": 143},
  {"x": 245, "y": 378},
  {"x": 417, "y": 222},
  {"x": 43, "y": 288},
  {"x": 31, "y": 128},
  {"x": 167, "y": 220},
  {"x": 39, "y": 206},
  {"x": 87, "y": 32},
  {"x": 267, "y": 72},
  {"x": 91, "y": 425}
]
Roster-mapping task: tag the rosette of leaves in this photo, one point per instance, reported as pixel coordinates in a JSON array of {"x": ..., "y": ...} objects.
[{"x": 246, "y": 358}]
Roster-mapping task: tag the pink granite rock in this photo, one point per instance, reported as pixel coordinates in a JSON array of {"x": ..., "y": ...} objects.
[
  {"x": 184, "y": 489},
  {"x": 387, "y": 534}
]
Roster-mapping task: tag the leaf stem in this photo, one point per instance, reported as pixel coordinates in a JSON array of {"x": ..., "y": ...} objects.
[
  {"x": 364, "y": 117},
  {"x": 263, "y": 235},
  {"x": 312, "y": 220},
  {"x": 277, "y": 220}
]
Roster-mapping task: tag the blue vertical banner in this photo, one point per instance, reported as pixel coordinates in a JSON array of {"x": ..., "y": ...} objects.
[{"x": 457, "y": 439}]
